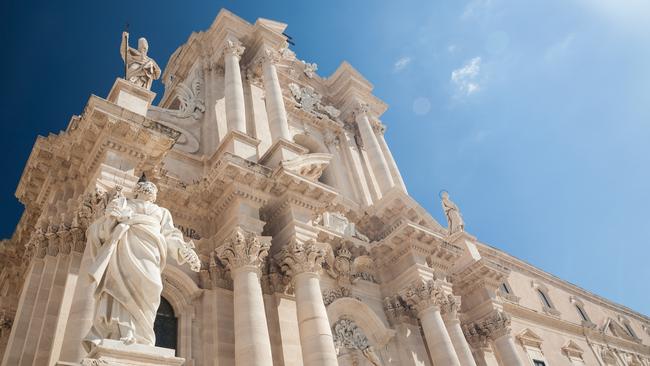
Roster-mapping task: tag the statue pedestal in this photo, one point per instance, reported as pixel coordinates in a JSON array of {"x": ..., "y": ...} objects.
[
  {"x": 116, "y": 353},
  {"x": 130, "y": 96},
  {"x": 239, "y": 144}
]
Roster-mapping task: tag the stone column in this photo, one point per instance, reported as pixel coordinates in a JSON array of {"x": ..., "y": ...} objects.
[
  {"x": 302, "y": 261},
  {"x": 506, "y": 350},
  {"x": 496, "y": 328},
  {"x": 244, "y": 255},
  {"x": 449, "y": 311},
  {"x": 234, "y": 90},
  {"x": 377, "y": 159},
  {"x": 425, "y": 298},
  {"x": 274, "y": 99},
  {"x": 380, "y": 131}
]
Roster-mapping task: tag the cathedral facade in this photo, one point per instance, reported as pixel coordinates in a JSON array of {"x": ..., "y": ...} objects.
[{"x": 311, "y": 250}]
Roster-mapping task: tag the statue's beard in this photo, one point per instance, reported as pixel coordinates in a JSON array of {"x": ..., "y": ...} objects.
[{"x": 146, "y": 196}]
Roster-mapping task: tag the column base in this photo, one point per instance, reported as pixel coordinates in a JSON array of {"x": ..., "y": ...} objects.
[
  {"x": 116, "y": 353},
  {"x": 130, "y": 96},
  {"x": 282, "y": 150},
  {"x": 239, "y": 144}
]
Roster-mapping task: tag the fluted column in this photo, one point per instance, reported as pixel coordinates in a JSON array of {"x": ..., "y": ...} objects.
[
  {"x": 302, "y": 261},
  {"x": 274, "y": 101},
  {"x": 244, "y": 254},
  {"x": 425, "y": 298},
  {"x": 234, "y": 90},
  {"x": 377, "y": 159},
  {"x": 449, "y": 311}
]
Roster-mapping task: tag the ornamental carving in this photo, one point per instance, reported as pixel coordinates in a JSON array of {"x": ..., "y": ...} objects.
[
  {"x": 184, "y": 112},
  {"x": 309, "y": 69},
  {"x": 450, "y": 305},
  {"x": 334, "y": 294},
  {"x": 301, "y": 257},
  {"x": 311, "y": 101},
  {"x": 244, "y": 249},
  {"x": 339, "y": 266},
  {"x": 233, "y": 48},
  {"x": 347, "y": 334},
  {"x": 215, "y": 276},
  {"x": 423, "y": 295},
  {"x": 488, "y": 329},
  {"x": 397, "y": 310},
  {"x": 346, "y": 270}
]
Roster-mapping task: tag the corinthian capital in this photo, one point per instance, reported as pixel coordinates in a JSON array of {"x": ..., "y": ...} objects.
[
  {"x": 244, "y": 249},
  {"x": 361, "y": 107},
  {"x": 450, "y": 305},
  {"x": 424, "y": 294},
  {"x": 233, "y": 48},
  {"x": 492, "y": 327},
  {"x": 301, "y": 257},
  {"x": 269, "y": 55}
]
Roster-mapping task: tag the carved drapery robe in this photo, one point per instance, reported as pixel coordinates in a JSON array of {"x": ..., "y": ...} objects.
[
  {"x": 454, "y": 219},
  {"x": 130, "y": 246},
  {"x": 141, "y": 69}
]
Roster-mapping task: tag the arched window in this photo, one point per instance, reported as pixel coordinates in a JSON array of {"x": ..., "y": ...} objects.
[
  {"x": 166, "y": 326},
  {"x": 582, "y": 313},
  {"x": 544, "y": 298}
]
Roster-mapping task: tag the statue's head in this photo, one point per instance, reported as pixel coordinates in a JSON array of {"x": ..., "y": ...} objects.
[
  {"x": 445, "y": 195},
  {"x": 143, "y": 45},
  {"x": 146, "y": 190}
]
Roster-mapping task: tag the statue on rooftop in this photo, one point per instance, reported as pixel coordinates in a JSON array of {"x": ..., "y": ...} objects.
[
  {"x": 455, "y": 221},
  {"x": 141, "y": 69},
  {"x": 129, "y": 246}
]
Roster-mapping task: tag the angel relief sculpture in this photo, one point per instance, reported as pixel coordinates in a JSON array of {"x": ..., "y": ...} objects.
[{"x": 130, "y": 245}]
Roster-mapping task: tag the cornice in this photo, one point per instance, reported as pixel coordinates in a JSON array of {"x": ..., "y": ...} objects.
[
  {"x": 519, "y": 265},
  {"x": 553, "y": 322}
]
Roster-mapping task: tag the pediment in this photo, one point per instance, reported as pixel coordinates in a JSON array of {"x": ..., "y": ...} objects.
[
  {"x": 615, "y": 329},
  {"x": 572, "y": 349},
  {"x": 529, "y": 338}
]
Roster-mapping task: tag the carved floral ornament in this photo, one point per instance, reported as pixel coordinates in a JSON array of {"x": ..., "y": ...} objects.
[
  {"x": 488, "y": 329},
  {"x": 311, "y": 101},
  {"x": 301, "y": 257},
  {"x": 232, "y": 47},
  {"x": 244, "y": 249},
  {"x": 425, "y": 294},
  {"x": 347, "y": 334}
]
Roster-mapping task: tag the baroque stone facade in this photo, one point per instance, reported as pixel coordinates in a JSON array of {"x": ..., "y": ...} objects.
[{"x": 312, "y": 251}]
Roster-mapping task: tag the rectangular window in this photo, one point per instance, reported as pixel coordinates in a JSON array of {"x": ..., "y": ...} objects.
[
  {"x": 538, "y": 363},
  {"x": 504, "y": 288},
  {"x": 629, "y": 330},
  {"x": 582, "y": 313},
  {"x": 544, "y": 298}
]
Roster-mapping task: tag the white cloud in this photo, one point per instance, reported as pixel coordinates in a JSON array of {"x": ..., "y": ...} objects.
[
  {"x": 465, "y": 78},
  {"x": 402, "y": 63},
  {"x": 452, "y": 48}
]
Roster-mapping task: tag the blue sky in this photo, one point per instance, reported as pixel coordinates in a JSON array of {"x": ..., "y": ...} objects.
[{"x": 534, "y": 115}]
